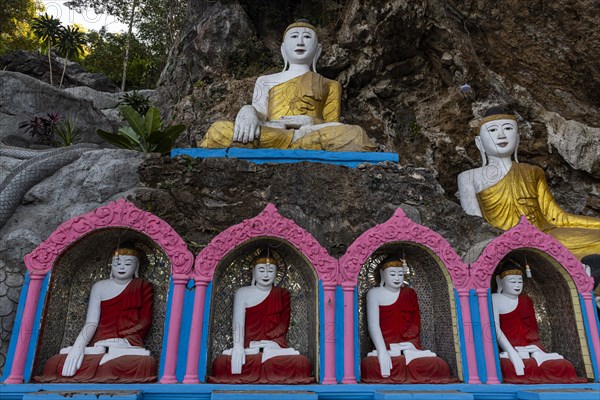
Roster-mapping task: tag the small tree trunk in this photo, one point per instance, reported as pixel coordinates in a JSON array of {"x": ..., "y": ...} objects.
[
  {"x": 64, "y": 70},
  {"x": 127, "y": 44},
  {"x": 50, "y": 61}
]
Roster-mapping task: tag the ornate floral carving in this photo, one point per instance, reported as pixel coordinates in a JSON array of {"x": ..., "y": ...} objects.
[
  {"x": 400, "y": 228},
  {"x": 269, "y": 223},
  {"x": 526, "y": 235},
  {"x": 118, "y": 214}
]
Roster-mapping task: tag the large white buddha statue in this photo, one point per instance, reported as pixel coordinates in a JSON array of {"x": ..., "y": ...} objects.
[
  {"x": 394, "y": 323},
  {"x": 119, "y": 316},
  {"x": 502, "y": 190},
  {"x": 261, "y": 318},
  {"x": 293, "y": 109},
  {"x": 523, "y": 359}
]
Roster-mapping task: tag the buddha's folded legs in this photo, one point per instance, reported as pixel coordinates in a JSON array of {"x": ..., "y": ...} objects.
[
  {"x": 280, "y": 369},
  {"x": 125, "y": 369},
  {"x": 552, "y": 371},
  {"x": 421, "y": 370}
]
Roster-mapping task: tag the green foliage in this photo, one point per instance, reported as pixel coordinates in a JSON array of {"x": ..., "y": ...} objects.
[
  {"x": 106, "y": 55},
  {"x": 140, "y": 103},
  {"x": 145, "y": 134},
  {"x": 67, "y": 132},
  {"x": 47, "y": 29},
  {"x": 16, "y": 17},
  {"x": 70, "y": 44}
]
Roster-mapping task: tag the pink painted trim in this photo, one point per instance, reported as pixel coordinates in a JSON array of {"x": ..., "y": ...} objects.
[
  {"x": 590, "y": 305},
  {"x": 463, "y": 297},
  {"x": 526, "y": 235},
  {"x": 401, "y": 228},
  {"x": 349, "y": 377},
  {"x": 329, "y": 298},
  {"x": 179, "y": 284},
  {"x": 24, "y": 337},
  {"x": 118, "y": 214},
  {"x": 488, "y": 345},
  {"x": 269, "y": 223},
  {"x": 195, "y": 340}
]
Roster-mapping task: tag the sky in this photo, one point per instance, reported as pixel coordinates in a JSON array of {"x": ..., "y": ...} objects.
[{"x": 89, "y": 19}]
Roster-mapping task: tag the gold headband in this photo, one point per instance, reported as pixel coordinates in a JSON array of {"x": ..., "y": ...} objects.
[
  {"x": 495, "y": 118},
  {"x": 511, "y": 272},
  {"x": 126, "y": 252},
  {"x": 265, "y": 260},
  {"x": 299, "y": 25},
  {"x": 393, "y": 263}
]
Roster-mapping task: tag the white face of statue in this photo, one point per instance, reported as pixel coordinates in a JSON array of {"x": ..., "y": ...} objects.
[
  {"x": 300, "y": 45},
  {"x": 124, "y": 267},
  {"x": 393, "y": 277},
  {"x": 512, "y": 285},
  {"x": 264, "y": 275},
  {"x": 499, "y": 138}
]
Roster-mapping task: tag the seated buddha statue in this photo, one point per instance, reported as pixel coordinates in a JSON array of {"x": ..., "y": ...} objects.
[
  {"x": 293, "y": 109},
  {"x": 261, "y": 318},
  {"x": 523, "y": 359},
  {"x": 118, "y": 318},
  {"x": 503, "y": 190},
  {"x": 394, "y": 325}
]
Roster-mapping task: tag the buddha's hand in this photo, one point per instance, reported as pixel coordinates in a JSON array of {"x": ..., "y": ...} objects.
[
  {"x": 73, "y": 360},
  {"x": 247, "y": 125},
  {"x": 385, "y": 362},
  {"x": 238, "y": 359},
  {"x": 517, "y": 362},
  {"x": 297, "y": 121}
]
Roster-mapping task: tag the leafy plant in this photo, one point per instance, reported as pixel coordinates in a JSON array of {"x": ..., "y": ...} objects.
[
  {"x": 42, "y": 128},
  {"x": 144, "y": 133},
  {"x": 135, "y": 100},
  {"x": 67, "y": 132},
  {"x": 47, "y": 29},
  {"x": 70, "y": 43}
]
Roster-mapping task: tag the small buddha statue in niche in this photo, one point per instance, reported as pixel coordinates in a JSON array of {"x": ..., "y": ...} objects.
[
  {"x": 523, "y": 359},
  {"x": 118, "y": 319},
  {"x": 293, "y": 109},
  {"x": 261, "y": 318},
  {"x": 503, "y": 190},
  {"x": 394, "y": 323}
]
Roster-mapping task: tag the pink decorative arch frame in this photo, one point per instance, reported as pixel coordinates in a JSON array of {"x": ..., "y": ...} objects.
[
  {"x": 269, "y": 223},
  {"x": 400, "y": 228},
  {"x": 526, "y": 235},
  {"x": 118, "y": 214}
]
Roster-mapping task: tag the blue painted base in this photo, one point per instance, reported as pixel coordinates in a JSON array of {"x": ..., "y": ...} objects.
[
  {"x": 263, "y": 156},
  {"x": 320, "y": 392}
]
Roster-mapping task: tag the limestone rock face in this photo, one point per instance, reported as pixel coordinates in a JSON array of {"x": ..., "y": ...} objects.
[
  {"x": 22, "y": 97},
  {"x": 401, "y": 64},
  {"x": 97, "y": 178}
]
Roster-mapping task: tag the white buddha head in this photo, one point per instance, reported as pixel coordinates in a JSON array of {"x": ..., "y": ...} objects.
[
  {"x": 498, "y": 135},
  {"x": 392, "y": 273},
  {"x": 510, "y": 279},
  {"x": 300, "y": 45},
  {"x": 264, "y": 272},
  {"x": 125, "y": 264}
]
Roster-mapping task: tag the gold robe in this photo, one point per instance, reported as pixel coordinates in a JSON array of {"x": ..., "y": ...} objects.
[
  {"x": 308, "y": 94},
  {"x": 524, "y": 191}
]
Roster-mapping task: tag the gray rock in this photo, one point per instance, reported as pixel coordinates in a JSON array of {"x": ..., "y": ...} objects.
[
  {"x": 14, "y": 280},
  {"x": 22, "y": 97},
  {"x": 6, "y": 307},
  {"x": 101, "y": 100}
]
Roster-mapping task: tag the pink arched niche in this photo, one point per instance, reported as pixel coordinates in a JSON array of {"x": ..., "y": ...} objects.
[
  {"x": 526, "y": 236},
  {"x": 118, "y": 214},
  {"x": 269, "y": 223},
  {"x": 400, "y": 228}
]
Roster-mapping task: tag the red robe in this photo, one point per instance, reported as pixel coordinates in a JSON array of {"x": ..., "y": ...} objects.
[
  {"x": 268, "y": 320},
  {"x": 127, "y": 316},
  {"x": 401, "y": 322},
  {"x": 521, "y": 329}
]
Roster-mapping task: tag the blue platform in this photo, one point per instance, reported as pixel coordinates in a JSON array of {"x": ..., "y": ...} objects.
[
  {"x": 459, "y": 391},
  {"x": 264, "y": 156}
]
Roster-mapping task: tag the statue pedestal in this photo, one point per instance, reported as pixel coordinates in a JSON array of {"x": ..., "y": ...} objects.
[{"x": 263, "y": 156}]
